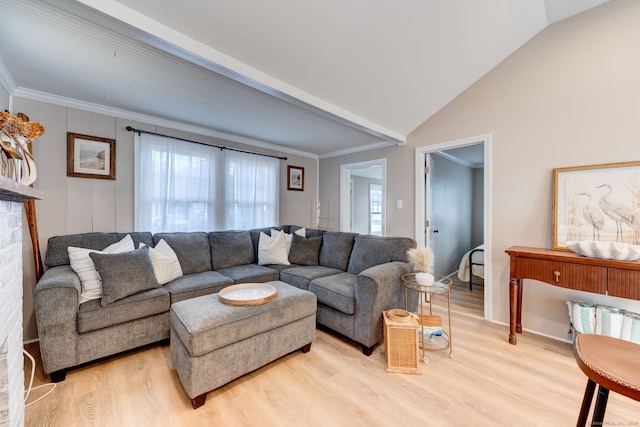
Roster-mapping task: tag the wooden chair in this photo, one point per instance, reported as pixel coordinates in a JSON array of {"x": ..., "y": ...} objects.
[{"x": 611, "y": 363}]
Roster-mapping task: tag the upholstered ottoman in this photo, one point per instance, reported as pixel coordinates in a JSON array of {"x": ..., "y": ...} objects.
[{"x": 213, "y": 343}]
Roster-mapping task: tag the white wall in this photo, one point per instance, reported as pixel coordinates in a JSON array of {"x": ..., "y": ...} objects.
[
  {"x": 569, "y": 97},
  {"x": 80, "y": 205}
]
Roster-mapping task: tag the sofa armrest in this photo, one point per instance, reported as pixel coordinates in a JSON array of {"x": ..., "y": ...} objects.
[
  {"x": 56, "y": 300},
  {"x": 379, "y": 288}
]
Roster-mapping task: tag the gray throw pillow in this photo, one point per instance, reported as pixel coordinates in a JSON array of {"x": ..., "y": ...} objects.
[
  {"x": 305, "y": 251},
  {"x": 124, "y": 274}
]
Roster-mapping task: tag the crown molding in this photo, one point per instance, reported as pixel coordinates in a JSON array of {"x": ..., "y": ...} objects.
[{"x": 152, "y": 120}]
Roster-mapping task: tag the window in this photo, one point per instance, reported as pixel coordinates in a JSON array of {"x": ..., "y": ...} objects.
[
  {"x": 184, "y": 186},
  {"x": 251, "y": 191},
  {"x": 375, "y": 209}
]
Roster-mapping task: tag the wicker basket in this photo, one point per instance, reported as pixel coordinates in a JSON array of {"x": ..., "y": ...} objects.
[{"x": 401, "y": 345}]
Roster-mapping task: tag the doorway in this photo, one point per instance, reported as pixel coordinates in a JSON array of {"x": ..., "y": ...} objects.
[
  {"x": 452, "y": 210},
  {"x": 362, "y": 197}
]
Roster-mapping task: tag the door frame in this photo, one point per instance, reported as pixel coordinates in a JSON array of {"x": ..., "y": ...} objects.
[
  {"x": 422, "y": 208},
  {"x": 345, "y": 190}
]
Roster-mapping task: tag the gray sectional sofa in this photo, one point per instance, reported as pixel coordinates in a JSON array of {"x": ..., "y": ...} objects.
[{"x": 354, "y": 277}]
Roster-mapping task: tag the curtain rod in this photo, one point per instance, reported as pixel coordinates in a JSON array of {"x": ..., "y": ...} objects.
[{"x": 222, "y": 147}]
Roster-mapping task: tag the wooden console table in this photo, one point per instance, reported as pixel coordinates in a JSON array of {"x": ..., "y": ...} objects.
[{"x": 567, "y": 270}]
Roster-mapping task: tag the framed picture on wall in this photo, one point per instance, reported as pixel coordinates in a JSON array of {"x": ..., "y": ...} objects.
[
  {"x": 91, "y": 156},
  {"x": 596, "y": 203},
  {"x": 295, "y": 176}
]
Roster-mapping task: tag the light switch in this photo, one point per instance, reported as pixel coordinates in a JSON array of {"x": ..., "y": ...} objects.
[{"x": 398, "y": 204}]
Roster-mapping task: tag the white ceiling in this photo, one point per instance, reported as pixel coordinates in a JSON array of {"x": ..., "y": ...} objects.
[{"x": 320, "y": 78}]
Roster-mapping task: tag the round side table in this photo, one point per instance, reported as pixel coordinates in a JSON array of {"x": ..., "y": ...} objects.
[{"x": 441, "y": 285}]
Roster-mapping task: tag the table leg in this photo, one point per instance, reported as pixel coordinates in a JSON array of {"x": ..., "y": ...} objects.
[
  {"x": 514, "y": 285},
  {"x": 519, "y": 311}
]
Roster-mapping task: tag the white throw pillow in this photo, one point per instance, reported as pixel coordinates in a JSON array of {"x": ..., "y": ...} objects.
[
  {"x": 81, "y": 263},
  {"x": 288, "y": 237},
  {"x": 165, "y": 262},
  {"x": 272, "y": 250}
]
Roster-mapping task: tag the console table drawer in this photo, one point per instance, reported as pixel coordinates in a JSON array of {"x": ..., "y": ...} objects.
[
  {"x": 624, "y": 283},
  {"x": 565, "y": 275}
]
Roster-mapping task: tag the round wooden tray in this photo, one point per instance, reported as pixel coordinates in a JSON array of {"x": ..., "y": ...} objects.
[{"x": 248, "y": 294}]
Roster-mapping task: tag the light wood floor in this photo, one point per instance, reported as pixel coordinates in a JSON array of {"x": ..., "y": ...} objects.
[{"x": 488, "y": 382}]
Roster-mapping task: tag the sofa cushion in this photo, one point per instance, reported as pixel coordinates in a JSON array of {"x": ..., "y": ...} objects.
[
  {"x": 305, "y": 250},
  {"x": 92, "y": 316},
  {"x": 369, "y": 251},
  {"x": 82, "y": 264},
  {"x": 58, "y": 254},
  {"x": 255, "y": 237},
  {"x": 273, "y": 250},
  {"x": 124, "y": 274},
  {"x": 336, "y": 249},
  {"x": 197, "y": 284},
  {"x": 337, "y": 291},
  {"x": 309, "y": 232},
  {"x": 250, "y": 273},
  {"x": 231, "y": 248},
  {"x": 301, "y": 276},
  {"x": 288, "y": 236},
  {"x": 192, "y": 249},
  {"x": 165, "y": 262}
]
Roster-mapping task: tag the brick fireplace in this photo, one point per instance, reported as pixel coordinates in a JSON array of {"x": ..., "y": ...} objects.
[{"x": 12, "y": 197}]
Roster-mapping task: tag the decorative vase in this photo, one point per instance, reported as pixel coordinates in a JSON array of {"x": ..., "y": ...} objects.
[{"x": 424, "y": 279}]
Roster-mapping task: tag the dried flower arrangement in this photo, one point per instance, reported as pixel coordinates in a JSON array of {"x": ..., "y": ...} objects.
[
  {"x": 16, "y": 132},
  {"x": 421, "y": 259}
]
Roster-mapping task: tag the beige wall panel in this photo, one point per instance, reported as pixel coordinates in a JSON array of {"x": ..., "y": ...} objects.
[
  {"x": 80, "y": 121},
  {"x": 299, "y": 207},
  {"x": 104, "y": 205},
  {"x": 124, "y": 177},
  {"x": 80, "y": 205},
  {"x": 329, "y": 218},
  {"x": 399, "y": 186}
]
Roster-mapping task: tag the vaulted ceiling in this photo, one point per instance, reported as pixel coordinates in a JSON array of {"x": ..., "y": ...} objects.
[{"x": 318, "y": 78}]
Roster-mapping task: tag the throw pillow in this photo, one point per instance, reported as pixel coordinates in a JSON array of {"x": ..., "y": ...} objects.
[
  {"x": 81, "y": 263},
  {"x": 288, "y": 237},
  {"x": 272, "y": 250},
  {"x": 124, "y": 274},
  {"x": 305, "y": 251},
  {"x": 165, "y": 262}
]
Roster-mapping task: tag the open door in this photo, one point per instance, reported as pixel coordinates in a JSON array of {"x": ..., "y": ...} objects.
[{"x": 452, "y": 204}]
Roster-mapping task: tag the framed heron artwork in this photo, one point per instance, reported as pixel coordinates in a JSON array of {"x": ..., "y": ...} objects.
[{"x": 596, "y": 203}]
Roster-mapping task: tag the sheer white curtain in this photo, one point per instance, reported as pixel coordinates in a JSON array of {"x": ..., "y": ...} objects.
[
  {"x": 251, "y": 191},
  {"x": 175, "y": 185},
  {"x": 183, "y": 186}
]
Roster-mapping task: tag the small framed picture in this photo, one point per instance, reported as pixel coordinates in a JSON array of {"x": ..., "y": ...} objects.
[
  {"x": 596, "y": 203},
  {"x": 91, "y": 156},
  {"x": 295, "y": 178}
]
